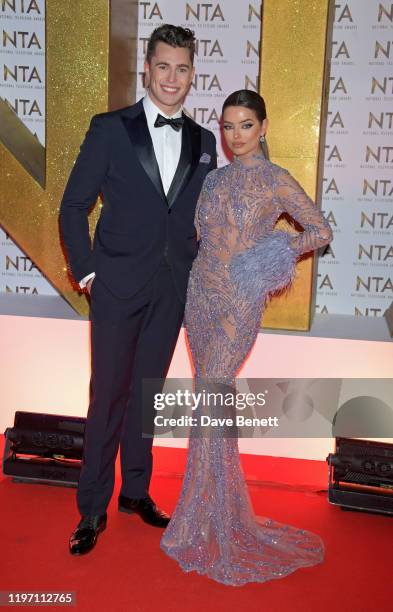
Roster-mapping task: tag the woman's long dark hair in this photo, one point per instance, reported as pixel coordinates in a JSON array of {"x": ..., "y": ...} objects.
[{"x": 253, "y": 101}]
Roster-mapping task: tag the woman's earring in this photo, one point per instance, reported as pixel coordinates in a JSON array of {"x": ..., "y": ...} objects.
[{"x": 262, "y": 138}]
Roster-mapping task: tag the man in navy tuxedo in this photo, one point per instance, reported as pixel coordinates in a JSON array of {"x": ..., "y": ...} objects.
[{"x": 148, "y": 161}]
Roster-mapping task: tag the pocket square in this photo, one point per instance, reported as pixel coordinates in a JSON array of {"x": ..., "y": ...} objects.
[{"x": 205, "y": 158}]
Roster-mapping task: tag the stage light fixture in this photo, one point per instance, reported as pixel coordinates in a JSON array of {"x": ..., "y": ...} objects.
[
  {"x": 44, "y": 448},
  {"x": 361, "y": 475}
]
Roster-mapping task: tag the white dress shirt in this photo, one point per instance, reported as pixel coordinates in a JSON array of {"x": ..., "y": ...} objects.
[
  {"x": 166, "y": 142},
  {"x": 167, "y": 149}
]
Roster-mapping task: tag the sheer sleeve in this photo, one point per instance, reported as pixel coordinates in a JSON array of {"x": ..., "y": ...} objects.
[{"x": 294, "y": 201}]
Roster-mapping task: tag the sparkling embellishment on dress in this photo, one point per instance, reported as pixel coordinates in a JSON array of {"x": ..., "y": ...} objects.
[{"x": 242, "y": 261}]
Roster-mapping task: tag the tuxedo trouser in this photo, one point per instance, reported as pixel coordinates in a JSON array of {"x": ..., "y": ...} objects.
[{"x": 131, "y": 339}]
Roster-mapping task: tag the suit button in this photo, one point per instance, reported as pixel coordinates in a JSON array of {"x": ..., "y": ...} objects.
[{"x": 169, "y": 211}]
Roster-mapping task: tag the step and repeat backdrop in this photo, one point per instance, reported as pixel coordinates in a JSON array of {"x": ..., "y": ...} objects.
[
  {"x": 228, "y": 38},
  {"x": 355, "y": 274},
  {"x": 22, "y": 85}
]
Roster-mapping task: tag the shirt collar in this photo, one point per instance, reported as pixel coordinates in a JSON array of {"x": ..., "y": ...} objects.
[{"x": 152, "y": 110}]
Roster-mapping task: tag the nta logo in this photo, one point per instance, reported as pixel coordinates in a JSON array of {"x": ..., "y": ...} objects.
[
  {"x": 385, "y": 85},
  {"x": 252, "y": 12},
  {"x": 341, "y": 13},
  {"x": 330, "y": 186},
  {"x": 337, "y": 84},
  {"x": 382, "y": 49},
  {"x": 251, "y": 48},
  {"x": 336, "y": 120},
  {"x": 375, "y": 252},
  {"x": 325, "y": 282},
  {"x": 21, "y": 74},
  {"x": 384, "y": 12},
  {"x": 368, "y": 312},
  {"x": 204, "y": 11},
  {"x": 207, "y": 48},
  {"x": 150, "y": 10},
  {"x": 22, "y": 289},
  {"x": 341, "y": 51},
  {"x": 376, "y": 220},
  {"x": 333, "y": 153},
  {"x": 20, "y": 40},
  {"x": 206, "y": 82},
  {"x": 374, "y": 284},
  {"x": 21, "y": 263},
  {"x": 25, "y": 107},
  {"x": 384, "y": 121},
  {"x": 381, "y": 154},
  {"x": 381, "y": 187},
  {"x": 20, "y": 6},
  {"x": 204, "y": 115}
]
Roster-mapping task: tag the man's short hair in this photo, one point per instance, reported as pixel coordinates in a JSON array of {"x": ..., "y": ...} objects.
[{"x": 175, "y": 36}]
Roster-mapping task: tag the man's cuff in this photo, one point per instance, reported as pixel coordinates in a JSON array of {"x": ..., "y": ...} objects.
[{"x": 85, "y": 280}]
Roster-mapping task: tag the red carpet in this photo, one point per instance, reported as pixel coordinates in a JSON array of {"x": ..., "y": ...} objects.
[{"x": 128, "y": 571}]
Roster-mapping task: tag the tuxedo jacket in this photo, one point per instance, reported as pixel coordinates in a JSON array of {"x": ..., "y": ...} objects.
[{"x": 138, "y": 224}]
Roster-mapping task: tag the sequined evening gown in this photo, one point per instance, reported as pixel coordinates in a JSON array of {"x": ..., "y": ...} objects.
[{"x": 242, "y": 260}]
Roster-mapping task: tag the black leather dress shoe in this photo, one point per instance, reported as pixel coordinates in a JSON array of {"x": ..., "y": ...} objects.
[
  {"x": 85, "y": 536},
  {"x": 146, "y": 508}
]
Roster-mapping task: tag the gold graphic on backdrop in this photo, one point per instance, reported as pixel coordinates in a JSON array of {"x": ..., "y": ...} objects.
[
  {"x": 82, "y": 44},
  {"x": 77, "y": 46},
  {"x": 294, "y": 85},
  {"x": 21, "y": 143}
]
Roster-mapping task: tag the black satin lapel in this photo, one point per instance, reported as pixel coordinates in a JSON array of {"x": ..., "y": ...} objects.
[
  {"x": 139, "y": 135},
  {"x": 189, "y": 159},
  {"x": 196, "y": 137},
  {"x": 183, "y": 167}
]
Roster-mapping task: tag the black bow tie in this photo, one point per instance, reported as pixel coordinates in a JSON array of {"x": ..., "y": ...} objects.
[{"x": 176, "y": 124}]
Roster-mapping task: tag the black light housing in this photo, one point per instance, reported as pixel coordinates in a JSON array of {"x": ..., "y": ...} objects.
[
  {"x": 361, "y": 475},
  {"x": 44, "y": 448}
]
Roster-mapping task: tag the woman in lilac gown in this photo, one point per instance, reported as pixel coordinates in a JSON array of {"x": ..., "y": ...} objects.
[{"x": 242, "y": 261}]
